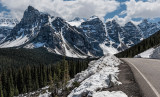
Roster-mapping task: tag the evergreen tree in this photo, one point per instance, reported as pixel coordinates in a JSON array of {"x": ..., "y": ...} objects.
[
  {"x": 40, "y": 76},
  {"x": 49, "y": 75},
  {"x": 20, "y": 82},
  {"x": 4, "y": 83},
  {"x": 44, "y": 75},
  {"x": 10, "y": 90},
  {"x": 16, "y": 92},
  {"x": 66, "y": 76},
  {"x": 5, "y": 93},
  {"x": 35, "y": 77},
  {"x": 28, "y": 79},
  {"x": 1, "y": 91},
  {"x": 24, "y": 89}
]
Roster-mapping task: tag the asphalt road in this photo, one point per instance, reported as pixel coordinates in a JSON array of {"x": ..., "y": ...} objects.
[{"x": 147, "y": 75}]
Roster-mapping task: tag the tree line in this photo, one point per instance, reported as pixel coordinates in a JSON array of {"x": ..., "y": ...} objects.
[
  {"x": 150, "y": 42},
  {"x": 15, "y": 81},
  {"x": 26, "y": 70}
]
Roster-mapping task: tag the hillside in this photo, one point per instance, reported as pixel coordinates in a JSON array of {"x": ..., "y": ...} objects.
[
  {"x": 26, "y": 70},
  {"x": 150, "y": 42}
]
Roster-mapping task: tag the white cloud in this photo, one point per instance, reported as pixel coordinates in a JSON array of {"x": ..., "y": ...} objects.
[
  {"x": 66, "y": 9},
  {"x": 139, "y": 9},
  {"x": 121, "y": 21},
  {"x": 5, "y": 14}
]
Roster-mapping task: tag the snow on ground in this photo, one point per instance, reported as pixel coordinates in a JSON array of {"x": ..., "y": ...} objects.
[
  {"x": 43, "y": 92},
  {"x": 153, "y": 53},
  {"x": 146, "y": 54},
  {"x": 150, "y": 53},
  {"x": 156, "y": 53},
  {"x": 47, "y": 94},
  {"x": 100, "y": 74},
  {"x": 109, "y": 94}
]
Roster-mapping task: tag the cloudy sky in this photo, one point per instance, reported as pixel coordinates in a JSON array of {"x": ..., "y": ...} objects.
[{"x": 121, "y": 10}]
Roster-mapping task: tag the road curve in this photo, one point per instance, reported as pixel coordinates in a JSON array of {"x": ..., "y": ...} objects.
[{"x": 147, "y": 75}]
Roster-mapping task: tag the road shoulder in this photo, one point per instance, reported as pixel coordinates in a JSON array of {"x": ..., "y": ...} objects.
[
  {"x": 129, "y": 85},
  {"x": 146, "y": 88}
]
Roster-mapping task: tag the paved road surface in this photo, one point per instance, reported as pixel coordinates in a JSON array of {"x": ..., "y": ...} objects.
[{"x": 147, "y": 74}]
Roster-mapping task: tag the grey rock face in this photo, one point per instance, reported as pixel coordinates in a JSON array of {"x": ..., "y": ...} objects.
[
  {"x": 6, "y": 25},
  {"x": 4, "y": 32},
  {"x": 94, "y": 31},
  {"x": 42, "y": 30},
  {"x": 131, "y": 35},
  {"x": 123, "y": 37},
  {"x": 114, "y": 30},
  {"x": 92, "y": 37},
  {"x": 148, "y": 28}
]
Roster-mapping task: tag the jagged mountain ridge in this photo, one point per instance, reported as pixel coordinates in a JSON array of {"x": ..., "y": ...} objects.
[
  {"x": 6, "y": 25},
  {"x": 38, "y": 29},
  {"x": 84, "y": 37}
]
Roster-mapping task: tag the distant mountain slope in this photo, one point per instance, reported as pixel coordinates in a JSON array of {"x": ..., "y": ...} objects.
[
  {"x": 150, "y": 42},
  {"x": 38, "y": 29},
  {"x": 6, "y": 25},
  {"x": 22, "y": 57},
  {"x": 77, "y": 38}
]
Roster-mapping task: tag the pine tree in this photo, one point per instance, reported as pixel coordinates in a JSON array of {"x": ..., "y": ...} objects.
[
  {"x": 4, "y": 80},
  {"x": 66, "y": 76},
  {"x": 49, "y": 75},
  {"x": 10, "y": 90},
  {"x": 16, "y": 92},
  {"x": 20, "y": 81},
  {"x": 1, "y": 91},
  {"x": 24, "y": 90},
  {"x": 5, "y": 93},
  {"x": 28, "y": 79},
  {"x": 35, "y": 77},
  {"x": 40, "y": 76},
  {"x": 44, "y": 75}
]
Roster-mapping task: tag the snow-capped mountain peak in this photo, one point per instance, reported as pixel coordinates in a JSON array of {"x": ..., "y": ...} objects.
[
  {"x": 77, "y": 38},
  {"x": 93, "y": 17},
  {"x": 8, "y": 22},
  {"x": 77, "y": 21}
]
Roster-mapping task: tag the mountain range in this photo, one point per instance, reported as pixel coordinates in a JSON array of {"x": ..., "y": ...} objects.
[{"x": 76, "y": 38}]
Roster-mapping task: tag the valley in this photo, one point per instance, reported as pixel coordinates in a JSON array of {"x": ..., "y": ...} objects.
[{"x": 46, "y": 55}]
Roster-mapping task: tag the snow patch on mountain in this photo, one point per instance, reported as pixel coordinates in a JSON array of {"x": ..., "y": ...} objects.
[
  {"x": 76, "y": 22},
  {"x": 99, "y": 75},
  {"x": 108, "y": 49},
  {"x": 8, "y": 22},
  {"x": 17, "y": 42}
]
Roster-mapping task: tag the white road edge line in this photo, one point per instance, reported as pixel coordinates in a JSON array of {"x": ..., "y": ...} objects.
[{"x": 152, "y": 87}]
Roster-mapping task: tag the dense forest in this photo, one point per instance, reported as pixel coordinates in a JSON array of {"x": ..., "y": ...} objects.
[
  {"x": 23, "y": 70},
  {"x": 150, "y": 42}
]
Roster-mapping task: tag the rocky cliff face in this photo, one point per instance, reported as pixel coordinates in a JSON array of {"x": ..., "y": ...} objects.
[
  {"x": 148, "y": 28},
  {"x": 6, "y": 25},
  {"x": 38, "y": 29},
  {"x": 89, "y": 37}
]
